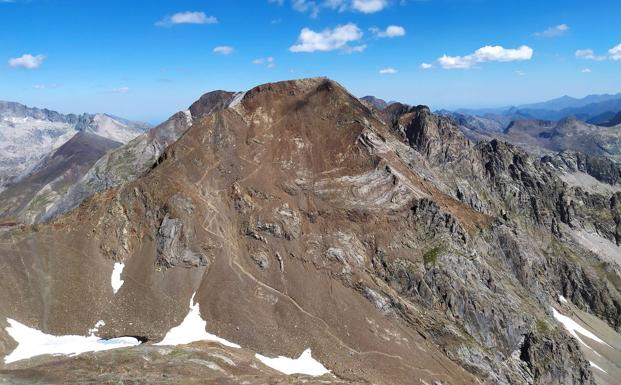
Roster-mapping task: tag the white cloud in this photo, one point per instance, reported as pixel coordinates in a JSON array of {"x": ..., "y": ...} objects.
[
  {"x": 329, "y": 39},
  {"x": 388, "y": 71},
  {"x": 615, "y": 52},
  {"x": 425, "y": 66},
  {"x": 390, "y": 31},
  {"x": 339, "y": 5},
  {"x": 588, "y": 54},
  {"x": 120, "y": 90},
  {"x": 520, "y": 73},
  {"x": 486, "y": 54},
  {"x": 269, "y": 62},
  {"x": 369, "y": 6},
  {"x": 556, "y": 31},
  {"x": 586, "y": 71},
  {"x": 27, "y": 61},
  {"x": 313, "y": 7},
  {"x": 224, "y": 50},
  {"x": 306, "y": 6},
  {"x": 186, "y": 18}
]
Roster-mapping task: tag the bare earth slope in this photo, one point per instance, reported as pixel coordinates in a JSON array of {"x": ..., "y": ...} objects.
[{"x": 394, "y": 248}]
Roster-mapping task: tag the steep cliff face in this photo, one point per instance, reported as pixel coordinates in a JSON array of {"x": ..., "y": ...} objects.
[{"x": 386, "y": 242}]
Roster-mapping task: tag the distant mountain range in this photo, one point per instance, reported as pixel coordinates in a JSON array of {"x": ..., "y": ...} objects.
[
  {"x": 28, "y": 134},
  {"x": 43, "y": 153},
  {"x": 589, "y": 125},
  {"x": 600, "y": 108}
]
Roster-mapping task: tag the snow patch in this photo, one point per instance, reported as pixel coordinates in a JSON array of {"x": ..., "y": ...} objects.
[
  {"x": 562, "y": 299},
  {"x": 116, "y": 280},
  {"x": 574, "y": 328},
  {"x": 95, "y": 329},
  {"x": 237, "y": 99},
  {"x": 594, "y": 365},
  {"x": 188, "y": 116},
  {"x": 305, "y": 364},
  {"x": 193, "y": 328},
  {"x": 32, "y": 342}
]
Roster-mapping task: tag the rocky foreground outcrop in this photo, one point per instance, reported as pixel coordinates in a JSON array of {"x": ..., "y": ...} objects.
[{"x": 396, "y": 249}]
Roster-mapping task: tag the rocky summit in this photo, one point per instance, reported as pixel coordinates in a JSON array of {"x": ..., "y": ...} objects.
[{"x": 294, "y": 234}]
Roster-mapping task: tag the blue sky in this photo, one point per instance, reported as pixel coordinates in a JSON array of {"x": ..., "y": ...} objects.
[{"x": 148, "y": 59}]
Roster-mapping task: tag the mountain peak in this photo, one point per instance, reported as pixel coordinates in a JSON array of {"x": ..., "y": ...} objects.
[{"x": 377, "y": 103}]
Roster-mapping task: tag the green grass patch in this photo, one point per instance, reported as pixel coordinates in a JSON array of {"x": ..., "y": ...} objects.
[
  {"x": 430, "y": 257},
  {"x": 542, "y": 327}
]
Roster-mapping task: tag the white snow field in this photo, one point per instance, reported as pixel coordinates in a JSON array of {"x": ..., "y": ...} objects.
[
  {"x": 32, "y": 342},
  {"x": 305, "y": 364},
  {"x": 193, "y": 328},
  {"x": 115, "y": 279}
]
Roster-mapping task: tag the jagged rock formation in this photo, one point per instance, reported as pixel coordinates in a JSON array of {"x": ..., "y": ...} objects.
[
  {"x": 396, "y": 249},
  {"x": 600, "y": 168}
]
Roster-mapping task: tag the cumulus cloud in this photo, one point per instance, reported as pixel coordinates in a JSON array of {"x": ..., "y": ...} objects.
[
  {"x": 329, "y": 39},
  {"x": 586, "y": 71},
  {"x": 486, "y": 54},
  {"x": 388, "y": 71},
  {"x": 27, "y": 61},
  {"x": 556, "y": 31},
  {"x": 615, "y": 52},
  {"x": 186, "y": 18},
  {"x": 426, "y": 66},
  {"x": 390, "y": 31},
  {"x": 588, "y": 54},
  {"x": 224, "y": 50},
  {"x": 269, "y": 62},
  {"x": 369, "y": 6}
]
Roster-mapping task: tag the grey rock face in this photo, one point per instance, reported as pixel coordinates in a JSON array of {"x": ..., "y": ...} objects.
[
  {"x": 600, "y": 168},
  {"x": 521, "y": 192},
  {"x": 172, "y": 246},
  {"x": 547, "y": 359}
]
